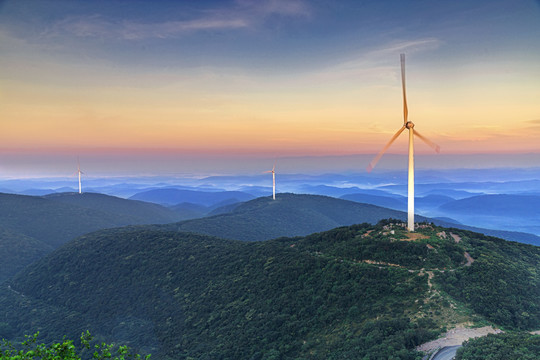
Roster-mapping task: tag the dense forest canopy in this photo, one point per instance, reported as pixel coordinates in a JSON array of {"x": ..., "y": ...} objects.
[{"x": 363, "y": 290}]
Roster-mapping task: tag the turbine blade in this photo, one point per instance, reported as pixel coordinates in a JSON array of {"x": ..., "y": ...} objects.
[
  {"x": 381, "y": 153},
  {"x": 435, "y": 147},
  {"x": 405, "y": 108}
]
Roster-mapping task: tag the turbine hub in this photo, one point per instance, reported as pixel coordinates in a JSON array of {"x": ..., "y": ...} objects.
[{"x": 409, "y": 124}]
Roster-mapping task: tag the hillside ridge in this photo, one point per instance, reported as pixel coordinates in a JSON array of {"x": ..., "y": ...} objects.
[{"x": 337, "y": 292}]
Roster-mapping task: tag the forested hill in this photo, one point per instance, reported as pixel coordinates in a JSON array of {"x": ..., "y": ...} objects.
[
  {"x": 289, "y": 215},
  {"x": 31, "y": 226},
  {"x": 58, "y": 218},
  {"x": 362, "y": 291},
  {"x": 124, "y": 210},
  {"x": 300, "y": 214},
  {"x": 17, "y": 251}
]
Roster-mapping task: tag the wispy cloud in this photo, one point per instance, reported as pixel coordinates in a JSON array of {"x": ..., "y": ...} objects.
[
  {"x": 409, "y": 46},
  {"x": 243, "y": 14},
  {"x": 374, "y": 64},
  {"x": 99, "y": 26},
  {"x": 134, "y": 31},
  {"x": 532, "y": 126},
  {"x": 276, "y": 7}
]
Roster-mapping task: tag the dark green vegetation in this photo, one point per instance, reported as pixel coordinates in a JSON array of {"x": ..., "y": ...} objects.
[
  {"x": 39, "y": 224},
  {"x": 124, "y": 211},
  {"x": 31, "y": 226},
  {"x": 362, "y": 291},
  {"x": 297, "y": 215},
  {"x": 30, "y": 349},
  {"x": 57, "y": 218},
  {"x": 288, "y": 215},
  {"x": 17, "y": 251},
  {"x": 513, "y": 346},
  {"x": 503, "y": 283},
  {"x": 188, "y": 211}
]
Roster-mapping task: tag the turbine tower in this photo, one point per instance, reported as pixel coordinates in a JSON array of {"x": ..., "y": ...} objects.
[
  {"x": 79, "y": 172},
  {"x": 273, "y": 171},
  {"x": 409, "y": 125}
]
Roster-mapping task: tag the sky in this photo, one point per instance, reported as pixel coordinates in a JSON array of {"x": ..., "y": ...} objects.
[{"x": 182, "y": 86}]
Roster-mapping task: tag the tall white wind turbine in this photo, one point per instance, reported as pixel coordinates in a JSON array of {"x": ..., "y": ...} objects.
[
  {"x": 273, "y": 171},
  {"x": 79, "y": 172},
  {"x": 410, "y": 126}
]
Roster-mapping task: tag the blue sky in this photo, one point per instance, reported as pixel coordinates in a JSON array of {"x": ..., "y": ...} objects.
[{"x": 233, "y": 79}]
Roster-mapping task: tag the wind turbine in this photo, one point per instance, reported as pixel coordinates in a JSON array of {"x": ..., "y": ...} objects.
[
  {"x": 273, "y": 171},
  {"x": 410, "y": 126},
  {"x": 79, "y": 172}
]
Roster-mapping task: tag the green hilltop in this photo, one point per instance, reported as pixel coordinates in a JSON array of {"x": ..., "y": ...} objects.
[
  {"x": 363, "y": 291},
  {"x": 31, "y": 226},
  {"x": 288, "y": 215},
  {"x": 303, "y": 214}
]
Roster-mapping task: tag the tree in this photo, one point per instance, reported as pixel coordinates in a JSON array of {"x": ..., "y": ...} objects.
[{"x": 30, "y": 349}]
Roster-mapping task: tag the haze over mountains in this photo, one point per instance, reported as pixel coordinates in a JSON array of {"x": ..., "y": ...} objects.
[{"x": 436, "y": 192}]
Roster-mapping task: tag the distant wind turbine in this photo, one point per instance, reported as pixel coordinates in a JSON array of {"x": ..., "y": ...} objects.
[
  {"x": 410, "y": 126},
  {"x": 79, "y": 172},
  {"x": 273, "y": 171}
]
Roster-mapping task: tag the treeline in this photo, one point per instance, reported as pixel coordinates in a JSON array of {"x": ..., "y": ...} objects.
[
  {"x": 512, "y": 346},
  {"x": 31, "y": 349},
  {"x": 502, "y": 284}
]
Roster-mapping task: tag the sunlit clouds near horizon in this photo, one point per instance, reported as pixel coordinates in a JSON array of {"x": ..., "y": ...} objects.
[{"x": 266, "y": 78}]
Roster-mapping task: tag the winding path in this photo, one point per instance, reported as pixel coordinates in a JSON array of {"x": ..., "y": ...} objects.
[{"x": 446, "y": 353}]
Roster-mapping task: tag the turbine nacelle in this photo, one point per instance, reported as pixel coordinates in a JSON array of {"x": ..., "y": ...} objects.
[{"x": 409, "y": 125}]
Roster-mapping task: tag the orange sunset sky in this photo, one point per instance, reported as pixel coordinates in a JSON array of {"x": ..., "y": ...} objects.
[{"x": 266, "y": 78}]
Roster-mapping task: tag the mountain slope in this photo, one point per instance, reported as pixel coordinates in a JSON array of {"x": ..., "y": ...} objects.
[
  {"x": 503, "y": 211},
  {"x": 31, "y": 226},
  {"x": 176, "y": 196},
  {"x": 396, "y": 203},
  {"x": 355, "y": 292},
  {"x": 499, "y": 205},
  {"x": 129, "y": 211},
  {"x": 296, "y": 215},
  {"x": 58, "y": 218},
  {"x": 17, "y": 251},
  {"x": 288, "y": 215}
]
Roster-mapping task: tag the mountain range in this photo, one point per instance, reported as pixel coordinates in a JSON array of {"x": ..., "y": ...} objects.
[{"x": 44, "y": 223}]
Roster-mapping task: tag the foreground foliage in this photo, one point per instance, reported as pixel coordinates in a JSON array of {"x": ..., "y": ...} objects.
[
  {"x": 30, "y": 349},
  {"x": 511, "y": 346}
]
